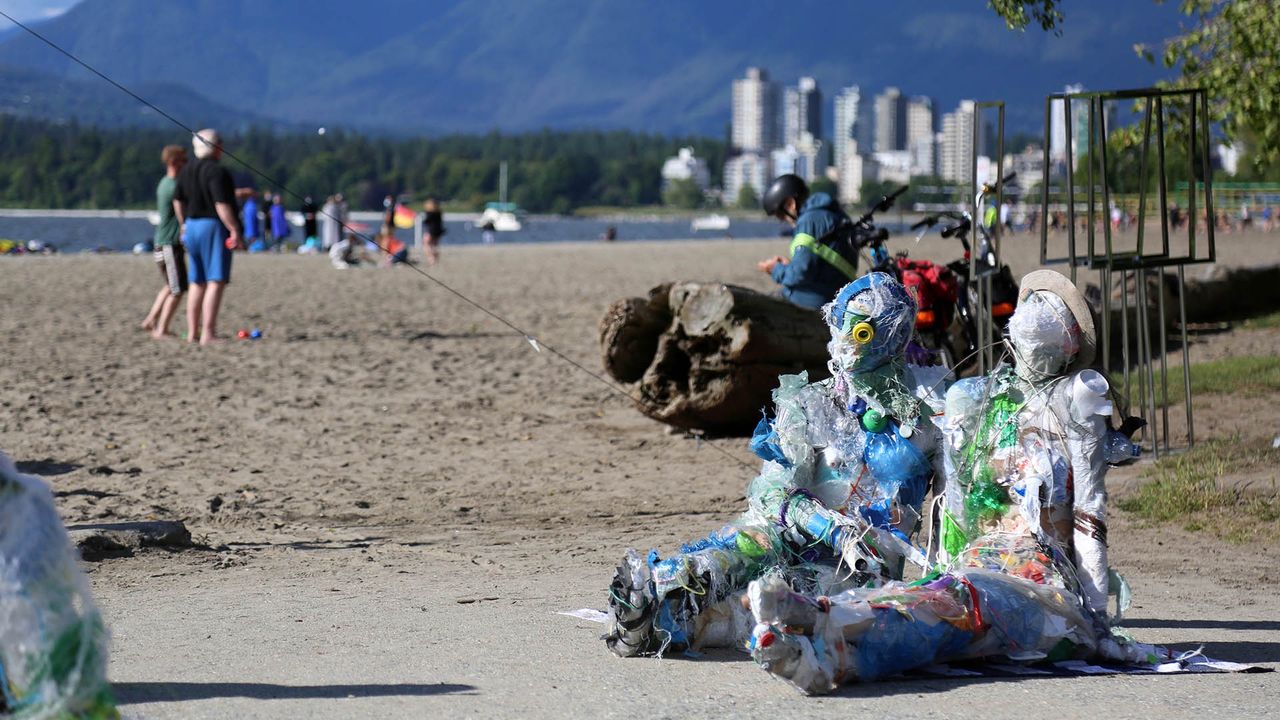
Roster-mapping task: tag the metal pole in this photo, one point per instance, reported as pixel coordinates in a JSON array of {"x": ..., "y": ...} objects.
[
  {"x": 1164, "y": 364},
  {"x": 1104, "y": 277},
  {"x": 980, "y": 325},
  {"x": 998, "y": 226},
  {"x": 1044, "y": 192},
  {"x": 1142, "y": 180},
  {"x": 1192, "y": 185},
  {"x": 1164, "y": 182},
  {"x": 1124, "y": 331},
  {"x": 1146, "y": 378},
  {"x": 1186, "y": 353},
  {"x": 1208, "y": 172},
  {"x": 1089, "y": 175},
  {"x": 1106, "y": 190},
  {"x": 1070, "y": 183}
]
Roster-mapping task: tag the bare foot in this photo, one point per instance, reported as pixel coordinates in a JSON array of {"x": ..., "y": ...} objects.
[
  {"x": 163, "y": 335},
  {"x": 210, "y": 340},
  {"x": 149, "y": 325}
]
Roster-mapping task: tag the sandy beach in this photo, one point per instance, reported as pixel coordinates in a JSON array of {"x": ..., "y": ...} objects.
[{"x": 393, "y": 493}]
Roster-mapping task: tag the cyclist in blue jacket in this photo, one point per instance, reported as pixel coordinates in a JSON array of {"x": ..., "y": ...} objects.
[{"x": 822, "y": 258}]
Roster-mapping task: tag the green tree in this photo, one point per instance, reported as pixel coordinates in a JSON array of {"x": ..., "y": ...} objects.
[
  {"x": 683, "y": 194},
  {"x": 1232, "y": 51},
  {"x": 747, "y": 198},
  {"x": 824, "y": 185}
]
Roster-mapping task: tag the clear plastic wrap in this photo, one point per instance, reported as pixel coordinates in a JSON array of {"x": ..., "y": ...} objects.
[
  {"x": 869, "y": 633},
  {"x": 53, "y": 644}
]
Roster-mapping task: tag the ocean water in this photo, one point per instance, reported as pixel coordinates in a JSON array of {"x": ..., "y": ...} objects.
[{"x": 120, "y": 234}]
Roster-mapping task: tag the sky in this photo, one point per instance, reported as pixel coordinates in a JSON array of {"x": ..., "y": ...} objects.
[
  {"x": 946, "y": 49},
  {"x": 34, "y": 10}
]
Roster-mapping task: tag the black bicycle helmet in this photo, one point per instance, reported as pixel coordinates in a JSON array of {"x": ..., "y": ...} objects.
[{"x": 783, "y": 187}]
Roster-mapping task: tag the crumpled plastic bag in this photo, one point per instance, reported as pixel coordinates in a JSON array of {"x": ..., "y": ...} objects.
[{"x": 53, "y": 644}]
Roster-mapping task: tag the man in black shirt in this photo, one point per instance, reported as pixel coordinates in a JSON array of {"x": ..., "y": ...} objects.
[{"x": 205, "y": 203}]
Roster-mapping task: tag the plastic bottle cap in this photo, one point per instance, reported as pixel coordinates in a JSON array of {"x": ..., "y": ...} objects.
[
  {"x": 863, "y": 333},
  {"x": 873, "y": 421}
]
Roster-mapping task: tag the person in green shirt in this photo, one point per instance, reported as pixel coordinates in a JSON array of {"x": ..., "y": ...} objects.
[{"x": 169, "y": 254}]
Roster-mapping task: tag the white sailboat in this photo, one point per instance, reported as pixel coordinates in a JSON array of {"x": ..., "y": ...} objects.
[{"x": 501, "y": 216}]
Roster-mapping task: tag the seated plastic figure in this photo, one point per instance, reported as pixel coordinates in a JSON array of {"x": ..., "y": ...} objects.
[
  {"x": 848, "y": 462},
  {"x": 1022, "y": 567}
]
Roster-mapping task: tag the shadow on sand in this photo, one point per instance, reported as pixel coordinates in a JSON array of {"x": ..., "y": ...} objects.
[{"x": 147, "y": 692}]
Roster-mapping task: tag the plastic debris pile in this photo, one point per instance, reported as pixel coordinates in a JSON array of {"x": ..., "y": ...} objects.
[
  {"x": 53, "y": 644},
  {"x": 847, "y": 464},
  {"x": 1019, "y": 572}
]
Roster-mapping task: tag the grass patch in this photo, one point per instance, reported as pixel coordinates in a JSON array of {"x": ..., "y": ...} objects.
[
  {"x": 1264, "y": 322},
  {"x": 1249, "y": 375},
  {"x": 1185, "y": 489}
]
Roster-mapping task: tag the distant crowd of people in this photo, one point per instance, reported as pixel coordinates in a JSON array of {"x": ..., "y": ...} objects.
[{"x": 204, "y": 218}]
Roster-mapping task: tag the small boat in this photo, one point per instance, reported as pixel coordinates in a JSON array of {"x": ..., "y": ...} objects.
[
  {"x": 714, "y": 221},
  {"x": 503, "y": 217}
]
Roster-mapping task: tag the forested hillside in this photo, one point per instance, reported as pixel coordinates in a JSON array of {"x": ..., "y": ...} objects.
[{"x": 72, "y": 166}]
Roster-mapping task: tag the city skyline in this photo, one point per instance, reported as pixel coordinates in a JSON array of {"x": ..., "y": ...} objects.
[{"x": 891, "y": 136}]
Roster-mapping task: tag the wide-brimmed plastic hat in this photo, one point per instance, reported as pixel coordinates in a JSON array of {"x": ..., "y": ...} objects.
[{"x": 1058, "y": 284}]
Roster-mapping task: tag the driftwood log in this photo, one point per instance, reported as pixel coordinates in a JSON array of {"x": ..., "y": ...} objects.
[{"x": 706, "y": 356}]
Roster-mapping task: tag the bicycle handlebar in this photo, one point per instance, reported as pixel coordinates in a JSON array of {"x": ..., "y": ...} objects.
[
  {"x": 991, "y": 187},
  {"x": 960, "y": 228},
  {"x": 884, "y": 203}
]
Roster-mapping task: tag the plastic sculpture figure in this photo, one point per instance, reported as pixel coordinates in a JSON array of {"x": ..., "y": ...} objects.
[
  {"x": 53, "y": 645},
  {"x": 1022, "y": 564},
  {"x": 848, "y": 462}
]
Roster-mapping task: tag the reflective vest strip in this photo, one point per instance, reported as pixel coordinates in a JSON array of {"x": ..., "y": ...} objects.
[{"x": 825, "y": 252}]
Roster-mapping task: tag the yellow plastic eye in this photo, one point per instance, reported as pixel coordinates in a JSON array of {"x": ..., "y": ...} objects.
[{"x": 863, "y": 333}]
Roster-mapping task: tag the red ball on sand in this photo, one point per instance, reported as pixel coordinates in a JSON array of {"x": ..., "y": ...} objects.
[{"x": 242, "y": 334}]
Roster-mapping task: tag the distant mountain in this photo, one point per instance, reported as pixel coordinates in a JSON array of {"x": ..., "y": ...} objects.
[
  {"x": 31, "y": 94},
  {"x": 430, "y": 66}
]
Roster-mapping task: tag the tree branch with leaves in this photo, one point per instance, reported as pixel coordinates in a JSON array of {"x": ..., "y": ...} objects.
[{"x": 1232, "y": 51}]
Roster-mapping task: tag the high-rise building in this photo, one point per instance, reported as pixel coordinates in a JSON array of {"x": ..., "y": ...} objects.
[
  {"x": 750, "y": 168},
  {"x": 801, "y": 111},
  {"x": 844, "y": 134},
  {"x": 955, "y": 146},
  {"x": 920, "y": 136},
  {"x": 755, "y": 112},
  {"x": 806, "y": 158},
  {"x": 891, "y": 121},
  {"x": 864, "y": 130},
  {"x": 1058, "y": 125},
  {"x": 1079, "y": 124},
  {"x": 850, "y": 174}
]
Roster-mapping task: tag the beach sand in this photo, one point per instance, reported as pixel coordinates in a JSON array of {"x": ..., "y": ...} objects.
[{"x": 395, "y": 493}]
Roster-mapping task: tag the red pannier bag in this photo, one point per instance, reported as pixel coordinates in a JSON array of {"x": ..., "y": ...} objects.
[{"x": 934, "y": 288}]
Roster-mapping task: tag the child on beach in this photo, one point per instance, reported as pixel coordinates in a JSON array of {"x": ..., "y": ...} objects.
[
  {"x": 394, "y": 252},
  {"x": 169, "y": 253},
  {"x": 345, "y": 253}
]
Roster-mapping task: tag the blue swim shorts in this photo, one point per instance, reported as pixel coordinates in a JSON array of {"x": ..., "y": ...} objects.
[{"x": 208, "y": 259}]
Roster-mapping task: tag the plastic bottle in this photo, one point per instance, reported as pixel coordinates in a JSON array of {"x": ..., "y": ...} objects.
[{"x": 1120, "y": 449}]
